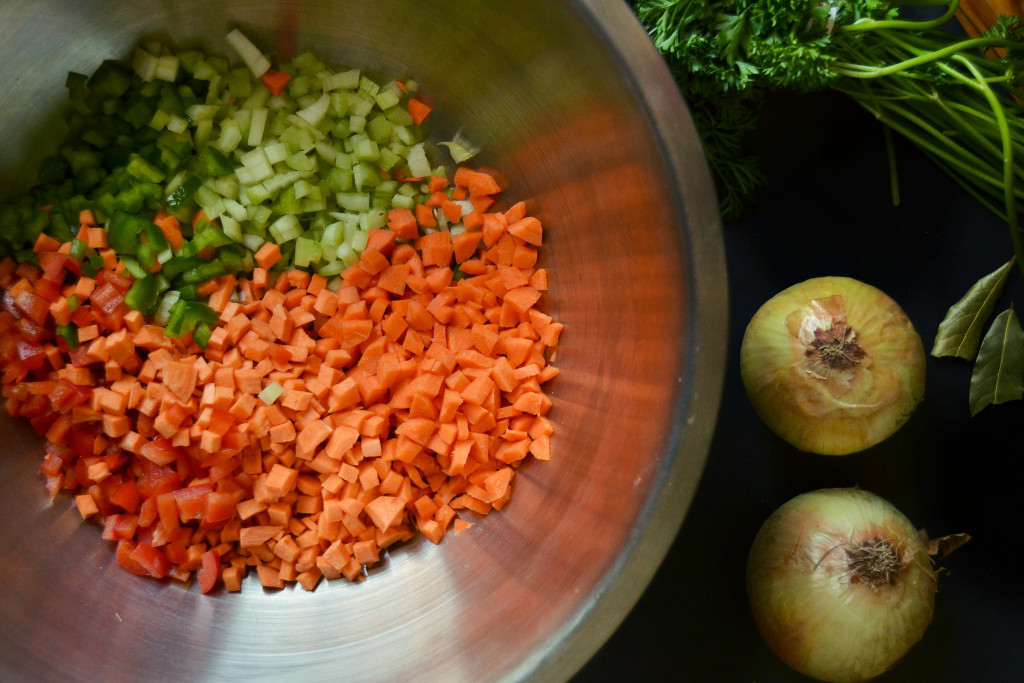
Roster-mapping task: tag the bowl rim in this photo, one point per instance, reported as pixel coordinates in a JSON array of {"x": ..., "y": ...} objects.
[{"x": 694, "y": 416}]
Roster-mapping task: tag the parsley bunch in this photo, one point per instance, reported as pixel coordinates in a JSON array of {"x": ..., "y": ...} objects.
[{"x": 953, "y": 97}]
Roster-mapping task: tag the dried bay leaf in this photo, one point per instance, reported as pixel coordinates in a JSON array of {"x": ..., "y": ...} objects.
[
  {"x": 960, "y": 331},
  {"x": 998, "y": 374}
]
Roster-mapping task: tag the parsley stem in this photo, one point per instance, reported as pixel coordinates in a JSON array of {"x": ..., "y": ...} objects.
[
  {"x": 870, "y": 71},
  {"x": 1008, "y": 179},
  {"x": 910, "y": 25},
  {"x": 948, "y": 150},
  {"x": 890, "y": 156}
]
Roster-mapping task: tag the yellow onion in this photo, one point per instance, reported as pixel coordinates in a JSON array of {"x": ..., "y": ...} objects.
[
  {"x": 832, "y": 365},
  {"x": 840, "y": 583}
]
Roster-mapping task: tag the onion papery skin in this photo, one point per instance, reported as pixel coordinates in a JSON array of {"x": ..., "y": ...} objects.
[
  {"x": 816, "y": 613},
  {"x": 844, "y": 411}
]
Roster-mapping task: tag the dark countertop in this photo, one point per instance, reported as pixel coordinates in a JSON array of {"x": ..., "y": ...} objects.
[{"x": 828, "y": 211}]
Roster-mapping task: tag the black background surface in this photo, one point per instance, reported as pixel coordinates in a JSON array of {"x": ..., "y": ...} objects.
[{"x": 828, "y": 211}]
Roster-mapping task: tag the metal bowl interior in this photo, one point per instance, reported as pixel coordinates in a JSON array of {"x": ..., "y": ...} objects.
[{"x": 572, "y": 105}]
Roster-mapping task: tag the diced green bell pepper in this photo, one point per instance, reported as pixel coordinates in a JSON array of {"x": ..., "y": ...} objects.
[
  {"x": 211, "y": 163},
  {"x": 183, "y": 193},
  {"x": 142, "y": 295},
  {"x": 179, "y": 264},
  {"x": 123, "y": 234},
  {"x": 200, "y": 274},
  {"x": 69, "y": 333}
]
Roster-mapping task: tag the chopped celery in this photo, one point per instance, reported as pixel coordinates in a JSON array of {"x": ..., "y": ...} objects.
[
  {"x": 353, "y": 201},
  {"x": 310, "y": 169},
  {"x": 271, "y": 393},
  {"x": 401, "y": 201},
  {"x": 307, "y": 252},
  {"x": 256, "y": 127},
  {"x": 250, "y": 54},
  {"x": 419, "y": 166},
  {"x": 285, "y": 228},
  {"x": 332, "y": 268},
  {"x": 347, "y": 254}
]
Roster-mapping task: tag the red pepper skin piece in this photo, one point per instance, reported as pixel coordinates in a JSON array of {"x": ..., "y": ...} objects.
[
  {"x": 209, "y": 570},
  {"x": 125, "y": 558},
  {"x": 151, "y": 559}
]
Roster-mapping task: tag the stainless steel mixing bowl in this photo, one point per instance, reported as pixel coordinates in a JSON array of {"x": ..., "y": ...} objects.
[{"x": 572, "y": 103}]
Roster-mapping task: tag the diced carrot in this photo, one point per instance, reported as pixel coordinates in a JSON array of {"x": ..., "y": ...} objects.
[
  {"x": 425, "y": 216},
  {"x": 452, "y": 211},
  {"x": 522, "y": 298},
  {"x": 281, "y": 480},
  {"x": 402, "y": 222},
  {"x": 45, "y": 243},
  {"x": 476, "y": 182},
  {"x": 473, "y": 220},
  {"x": 373, "y": 261},
  {"x": 268, "y": 255},
  {"x": 86, "y": 505},
  {"x": 311, "y": 436},
  {"x": 437, "y": 183},
  {"x": 385, "y": 511},
  {"x": 96, "y": 238},
  {"x": 393, "y": 279},
  {"x": 171, "y": 229},
  {"x": 414, "y": 386},
  {"x": 180, "y": 378},
  {"x": 275, "y": 81},
  {"x": 418, "y": 109},
  {"x": 527, "y": 229},
  {"x": 257, "y": 535},
  {"x": 436, "y": 249}
]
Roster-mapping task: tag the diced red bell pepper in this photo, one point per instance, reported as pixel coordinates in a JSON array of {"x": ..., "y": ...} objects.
[
  {"x": 80, "y": 357},
  {"x": 120, "y": 527},
  {"x": 42, "y": 423},
  {"x": 161, "y": 451},
  {"x": 177, "y": 550},
  {"x": 81, "y": 441},
  {"x": 115, "y": 458},
  {"x": 32, "y": 305},
  {"x": 220, "y": 507},
  {"x": 209, "y": 570},
  {"x": 30, "y": 331},
  {"x": 35, "y": 405},
  {"x": 82, "y": 471},
  {"x": 155, "y": 479},
  {"x": 116, "y": 280},
  {"x": 54, "y": 264},
  {"x": 48, "y": 289},
  {"x": 147, "y": 515},
  {"x": 126, "y": 497},
  {"x": 108, "y": 487},
  {"x": 191, "y": 501},
  {"x": 125, "y": 558},
  {"x": 32, "y": 356},
  {"x": 58, "y": 430},
  {"x": 152, "y": 560},
  {"x": 55, "y": 459},
  {"x": 83, "y": 316},
  {"x": 66, "y": 396},
  {"x": 106, "y": 298},
  {"x": 9, "y": 305}
]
